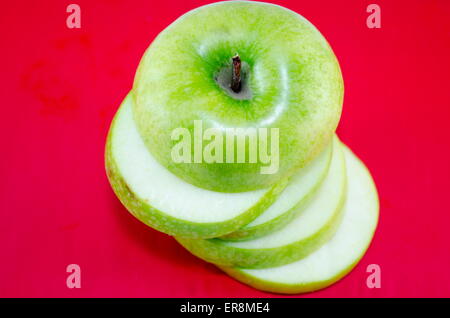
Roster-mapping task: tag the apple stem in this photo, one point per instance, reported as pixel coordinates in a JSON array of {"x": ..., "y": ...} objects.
[{"x": 236, "y": 78}]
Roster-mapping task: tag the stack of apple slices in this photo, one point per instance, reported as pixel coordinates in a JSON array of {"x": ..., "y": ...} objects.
[{"x": 299, "y": 235}]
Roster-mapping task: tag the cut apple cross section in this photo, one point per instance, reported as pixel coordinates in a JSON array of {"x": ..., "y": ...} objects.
[
  {"x": 304, "y": 234},
  {"x": 335, "y": 258},
  {"x": 167, "y": 203}
]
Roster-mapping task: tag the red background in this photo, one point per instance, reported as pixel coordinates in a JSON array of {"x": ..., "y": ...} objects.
[{"x": 60, "y": 88}]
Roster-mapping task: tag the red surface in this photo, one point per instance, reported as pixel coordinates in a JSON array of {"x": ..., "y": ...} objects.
[{"x": 60, "y": 88}]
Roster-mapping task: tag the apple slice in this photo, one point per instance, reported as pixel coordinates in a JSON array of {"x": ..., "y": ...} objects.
[
  {"x": 167, "y": 203},
  {"x": 292, "y": 201},
  {"x": 304, "y": 234},
  {"x": 338, "y": 256}
]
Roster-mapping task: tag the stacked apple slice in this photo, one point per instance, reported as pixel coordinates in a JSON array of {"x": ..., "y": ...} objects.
[
  {"x": 298, "y": 228},
  {"x": 296, "y": 236}
]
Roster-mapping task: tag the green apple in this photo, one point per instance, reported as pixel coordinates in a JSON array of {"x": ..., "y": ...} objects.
[
  {"x": 304, "y": 234},
  {"x": 337, "y": 257},
  {"x": 167, "y": 203},
  {"x": 289, "y": 79},
  {"x": 292, "y": 201}
]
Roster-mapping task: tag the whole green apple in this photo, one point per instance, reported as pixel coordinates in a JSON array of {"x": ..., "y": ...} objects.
[{"x": 232, "y": 65}]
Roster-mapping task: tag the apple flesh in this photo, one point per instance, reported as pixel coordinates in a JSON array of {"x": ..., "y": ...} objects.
[
  {"x": 291, "y": 81},
  {"x": 167, "y": 203},
  {"x": 304, "y": 234},
  {"x": 335, "y": 258}
]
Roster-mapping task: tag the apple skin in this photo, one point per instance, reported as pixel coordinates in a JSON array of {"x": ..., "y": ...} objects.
[
  {"x": 293, "y": 75},
  {"x": 230, "y": 254},
  {"x": 157, "y": 219},
  {"x": 282, "y": 288},
  {"x": 369, "y": 225}
]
